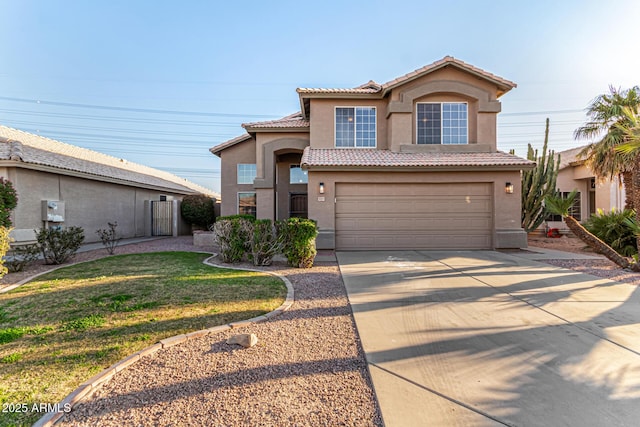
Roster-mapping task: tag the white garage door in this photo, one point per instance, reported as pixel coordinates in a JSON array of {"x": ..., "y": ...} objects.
[{"x": 414, "y": 216}]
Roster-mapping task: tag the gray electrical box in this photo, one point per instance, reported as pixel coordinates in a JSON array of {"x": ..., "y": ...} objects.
[{"x": 52, "y": 211}]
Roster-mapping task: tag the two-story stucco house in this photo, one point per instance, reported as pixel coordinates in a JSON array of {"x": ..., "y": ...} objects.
[{"x": 408, "y": 164}]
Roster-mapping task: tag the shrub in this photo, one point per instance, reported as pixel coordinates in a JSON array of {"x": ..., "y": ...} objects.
[
  {"x": 612, "y": 228},
  {"x": 58, "y": 245},
  {"x": 21, "y": 256},
  {"x": 265, "y": 243},
  {"x": 4, "y": 247},
  {"x": 109, "y": 237},
  {"x": 233, "y": 235},
  {"x": 198, "y": 209},
  {"x": 8, "y": 201},
  {"x": 299, "y": 241}
]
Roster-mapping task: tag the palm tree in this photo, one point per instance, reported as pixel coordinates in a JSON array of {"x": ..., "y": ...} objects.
[
  {"x": 560, "y": 206},
  {"x": 605, "y": 112}
]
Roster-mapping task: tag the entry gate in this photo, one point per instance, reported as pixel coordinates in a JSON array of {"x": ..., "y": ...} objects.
[{"x": 162, "y": 218}]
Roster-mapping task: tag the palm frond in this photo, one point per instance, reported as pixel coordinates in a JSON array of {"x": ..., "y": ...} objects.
[{"x": 558, "y": 205}]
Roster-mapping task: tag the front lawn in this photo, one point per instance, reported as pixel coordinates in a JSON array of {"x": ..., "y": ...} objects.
[{"x": 63, "y": 327}]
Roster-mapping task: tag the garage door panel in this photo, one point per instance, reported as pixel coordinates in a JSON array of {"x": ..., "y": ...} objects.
[{"x": 414, "y": 216}]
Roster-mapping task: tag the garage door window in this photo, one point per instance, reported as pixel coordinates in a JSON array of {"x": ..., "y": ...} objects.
[
  {"x": 442, "y": 123},
  {"x": 356, "y": 127}
]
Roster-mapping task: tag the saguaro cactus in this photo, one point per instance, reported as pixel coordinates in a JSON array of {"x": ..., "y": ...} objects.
[{"x": 538, "y": 183}]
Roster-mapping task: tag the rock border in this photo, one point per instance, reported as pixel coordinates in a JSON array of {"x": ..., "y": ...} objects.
[{"x": 94, "y": 383}]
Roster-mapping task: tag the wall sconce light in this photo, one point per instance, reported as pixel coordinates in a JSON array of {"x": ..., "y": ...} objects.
[
  {"x": 321, "y": 188},
  {"x": 508, "y": 188}
]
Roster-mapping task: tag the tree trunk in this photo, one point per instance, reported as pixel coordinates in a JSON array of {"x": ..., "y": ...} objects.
[
  {"x": 627, "y": 179},
  {"x": 598, "y": 245},
  {"x": 636, "y": 191}
]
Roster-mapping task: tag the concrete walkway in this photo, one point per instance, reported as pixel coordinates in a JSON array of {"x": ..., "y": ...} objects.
[{"x": 485, "y": 338}]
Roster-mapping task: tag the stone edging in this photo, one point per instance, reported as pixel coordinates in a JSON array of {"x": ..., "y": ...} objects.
[{"x": 93, "y": 384}]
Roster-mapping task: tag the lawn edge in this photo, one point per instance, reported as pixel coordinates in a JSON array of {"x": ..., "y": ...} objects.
[{"x": 89, "y": 387}]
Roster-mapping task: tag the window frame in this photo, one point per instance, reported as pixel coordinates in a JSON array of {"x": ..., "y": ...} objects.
[
  {"x": 355, "y": 129},
  {"x": 238, "y": 173},
  {"x": 296, "y": 165},
  {"x": 255, "y": 196},
  {"x": 442, "y": 136}
]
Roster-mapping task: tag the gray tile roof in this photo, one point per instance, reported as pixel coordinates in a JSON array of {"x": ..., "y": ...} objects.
[
  {"x": 355, "y": 157},
  {"x": 23, "y": 147}
]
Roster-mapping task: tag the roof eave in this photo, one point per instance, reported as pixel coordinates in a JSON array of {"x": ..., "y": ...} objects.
[
  {"x": 457, "y": 168},
  {"x": 101, "y": 178}
]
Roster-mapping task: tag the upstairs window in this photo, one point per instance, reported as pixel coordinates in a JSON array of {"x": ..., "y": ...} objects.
[
  {"x": 246, "y": 173},
  {"x": 356, "y": 127},
  {"x": 442, "y": 123}
]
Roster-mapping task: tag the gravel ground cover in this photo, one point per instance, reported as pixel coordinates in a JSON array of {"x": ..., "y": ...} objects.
[{"x": 307, "y": 369}]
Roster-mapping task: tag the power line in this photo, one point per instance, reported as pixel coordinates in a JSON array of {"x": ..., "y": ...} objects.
[{"x": 136, "y": 110}]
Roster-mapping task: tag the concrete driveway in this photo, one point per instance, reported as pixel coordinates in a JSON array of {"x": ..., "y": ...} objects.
[{"x": 485, "y": 338}]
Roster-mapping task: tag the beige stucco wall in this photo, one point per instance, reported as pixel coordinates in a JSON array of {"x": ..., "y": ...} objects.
[
  {"x": 506, "y": 206},
  {"x": 323, "y": 126},
  {"x": 244, "y": 152},
  {"x": 89, "y": 204}
]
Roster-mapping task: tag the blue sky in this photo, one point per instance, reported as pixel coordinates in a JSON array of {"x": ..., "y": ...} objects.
[{"x": 159, "y": 82}]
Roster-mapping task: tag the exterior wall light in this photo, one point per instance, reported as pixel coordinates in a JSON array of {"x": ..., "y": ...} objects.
[
  {"x": 508, "y": 188},
  {"x": 321, "y": 188}
]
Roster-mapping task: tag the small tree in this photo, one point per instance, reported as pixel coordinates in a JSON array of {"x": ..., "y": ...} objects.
[
  {"x": 560, "y": 206},
  {"x": 109, "y": 237},
  {"x": 265, "y": 242},
  {"x": 538, "y": 183},
  {"x": 198, "y": 209},
  {"x": 8, "y": 201}
]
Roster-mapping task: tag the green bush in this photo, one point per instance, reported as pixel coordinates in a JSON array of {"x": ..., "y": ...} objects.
[
  {"x": 299, "y": 241},
  {"x": 233, "y": 235},
  {"x": 265, "y": 243},
  {"x": 612, "y": 229},
  {"x": 8, "y": 201},
  {"x": 198, "y": 209},
  {"x": 4, "y": 247},
  {"x": 21, "y": 256},
  {"x": 59, "y": 245}
]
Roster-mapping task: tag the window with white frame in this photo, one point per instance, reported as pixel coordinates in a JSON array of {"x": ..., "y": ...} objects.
[
  {"x": 442, "y": 123},
  {"x": 355, "y": 127},
  {"x": 246, "y": 173},
  {"x": 247, "y": 203},
  {"x": 297, "y": 175}
]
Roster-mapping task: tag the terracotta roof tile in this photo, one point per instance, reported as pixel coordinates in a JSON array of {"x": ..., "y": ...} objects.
[
  {"x": 20, "y": 146},
  {"x": 443, "y": 62},
  {"x": 230, "y": 143},
  {"x": 384, "y": 158},
  {"x": 294, "y": 120}
]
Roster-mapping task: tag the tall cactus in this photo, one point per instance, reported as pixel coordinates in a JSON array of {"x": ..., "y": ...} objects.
[{"x": 538, "y": 183}]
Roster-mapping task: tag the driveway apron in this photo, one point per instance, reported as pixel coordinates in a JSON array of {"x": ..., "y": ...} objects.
[{"x": 482, "y": 338}]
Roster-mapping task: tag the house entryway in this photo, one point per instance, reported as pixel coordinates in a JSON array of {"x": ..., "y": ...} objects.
[{"x": 298, "y": 205}]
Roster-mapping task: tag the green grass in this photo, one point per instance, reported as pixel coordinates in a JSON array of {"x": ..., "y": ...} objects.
[{"x": 63, "y": 327}]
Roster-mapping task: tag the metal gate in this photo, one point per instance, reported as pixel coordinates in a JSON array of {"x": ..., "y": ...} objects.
[{"x": 161, "y": 218}]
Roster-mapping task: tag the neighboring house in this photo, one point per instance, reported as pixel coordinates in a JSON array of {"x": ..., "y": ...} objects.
[
  {"x": 594, "y": 193},
  {"x": 66, "y": 185},
  {"x": 408, "y": 164}
]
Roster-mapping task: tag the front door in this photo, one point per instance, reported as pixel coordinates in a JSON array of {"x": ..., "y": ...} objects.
[{"x": 298, "y": 205}]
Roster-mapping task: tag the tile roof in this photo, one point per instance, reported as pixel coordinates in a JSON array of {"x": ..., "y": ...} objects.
[
  {"x": 448, "y": 60},
  {"x": 19, "y": 146},
  {"x": 355, "y": 157},
  {"x": 230, "y": 143},
  {"x": 372, "y": 87},
  {"x": 294, "y": 120}
]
